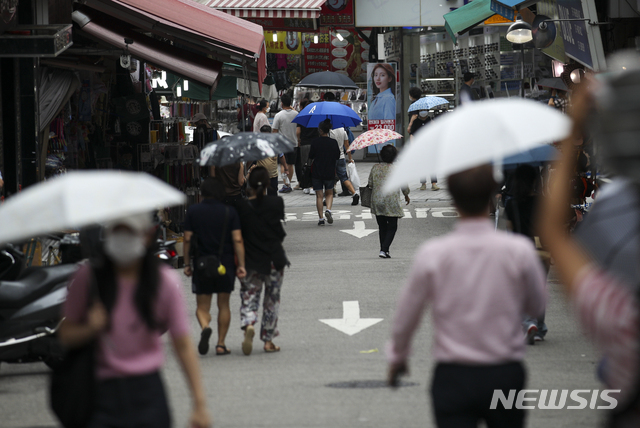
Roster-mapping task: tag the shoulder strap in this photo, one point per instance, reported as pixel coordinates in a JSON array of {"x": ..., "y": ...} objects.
[{"x": 224, "y": 230}]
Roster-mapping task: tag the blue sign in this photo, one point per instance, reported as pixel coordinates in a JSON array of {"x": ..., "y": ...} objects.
[
  {"x": 502, "y": 10},
  {"x": 574, "y": 33}
]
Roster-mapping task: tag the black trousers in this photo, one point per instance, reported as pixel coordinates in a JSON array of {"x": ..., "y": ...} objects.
[
  {"x": 132, "y": 402},
  {"x": 273, "y": 187},
  {"x": 387, "y": 228},
  {"x": 462, "y": 395}
]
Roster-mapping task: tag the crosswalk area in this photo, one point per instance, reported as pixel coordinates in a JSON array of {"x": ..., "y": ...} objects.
[{"x": 365, "y": 214}]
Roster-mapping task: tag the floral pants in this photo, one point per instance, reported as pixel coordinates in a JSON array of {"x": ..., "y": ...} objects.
[{"x": 250, "y": 289}]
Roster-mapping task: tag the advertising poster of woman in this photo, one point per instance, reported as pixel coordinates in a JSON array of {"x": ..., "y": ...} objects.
[{"x": 381, "y": 88}]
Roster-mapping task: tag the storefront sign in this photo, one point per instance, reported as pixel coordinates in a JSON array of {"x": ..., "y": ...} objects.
[
  {"x": 381, "y": 96},
  {"x": 389, "y": 45},
  {"x": 288, "y": 24},
  {"x": 337, "y": 13},
  {"x": 574, "y": 33},
  {"x": 288, "y": 42},
  {"x": 350, "y": 55},
  {"x": 502, "y": 10},
  {"x": 317, "y": 56}
]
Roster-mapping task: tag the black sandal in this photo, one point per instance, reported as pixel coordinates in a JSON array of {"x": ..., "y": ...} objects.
[{"x": 225, "y": 351}]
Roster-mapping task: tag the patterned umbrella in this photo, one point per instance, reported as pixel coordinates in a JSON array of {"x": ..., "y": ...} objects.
[
  {"x": 427, "y": 103},
  {"x": 373, "y": 137},
  {"x": 244, "y": 147}
]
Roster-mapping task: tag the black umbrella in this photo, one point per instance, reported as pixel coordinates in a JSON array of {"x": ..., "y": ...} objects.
[
  {"x": 328, "y": 80},
  {"x": 553, "y": 83},
  {"x": 244, "y": 147}
]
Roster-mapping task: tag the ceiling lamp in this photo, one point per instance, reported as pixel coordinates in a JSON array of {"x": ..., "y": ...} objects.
[{"x": 519, "y": 32}]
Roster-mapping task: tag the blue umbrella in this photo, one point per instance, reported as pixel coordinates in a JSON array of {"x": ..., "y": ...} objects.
[
  {"x": 339, "y": 114},
  {"x": 427, "y": 103},
  {"x": 534, "y": 157}
]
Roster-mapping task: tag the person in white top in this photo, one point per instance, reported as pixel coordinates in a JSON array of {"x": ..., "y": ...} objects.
[
  {"x": 261, "y": 117},
  {"x": 282, "y": 123}
]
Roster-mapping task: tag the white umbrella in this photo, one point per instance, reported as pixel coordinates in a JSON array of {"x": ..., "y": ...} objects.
[
  {"x": 475, "y": 134},
  {"x": 82, "y": 198}
]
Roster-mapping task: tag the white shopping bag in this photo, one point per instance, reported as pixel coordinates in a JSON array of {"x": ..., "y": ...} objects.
[{"x": 352, "y": 172}]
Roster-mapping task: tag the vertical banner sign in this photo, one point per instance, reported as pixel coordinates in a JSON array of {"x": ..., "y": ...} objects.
[
  {"x": 381, "y": 96},
  {"x": 317, "y": 55},
  {"x": 350, "y": 55},
  {"x": 337, "y": 13},
  {"x": 574, "y": 33}
]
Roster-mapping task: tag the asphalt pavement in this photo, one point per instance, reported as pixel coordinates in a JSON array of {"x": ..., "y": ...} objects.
[{"x": 324, "y": 377}]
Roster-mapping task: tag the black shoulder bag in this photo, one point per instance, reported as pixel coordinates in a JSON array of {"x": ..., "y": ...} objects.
[
  {"x": 72, "y": 391},
  {"x": 210, "y": 266}
]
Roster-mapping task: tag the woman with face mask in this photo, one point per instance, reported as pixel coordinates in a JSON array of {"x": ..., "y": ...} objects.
[{"x": 125, "y": 302}]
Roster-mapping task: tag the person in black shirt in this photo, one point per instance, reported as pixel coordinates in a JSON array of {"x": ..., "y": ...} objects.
[
  {"x": 325, "y": 153},
  {"x": 421, "y": 119},
  {"x": 260, "y": 217},
  {"x": 208, "y": 221}
]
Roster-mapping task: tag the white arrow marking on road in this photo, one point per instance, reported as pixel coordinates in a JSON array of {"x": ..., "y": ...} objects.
[
  {"x": 351, "y": 323},
  {"x": 358, "y": 230}
]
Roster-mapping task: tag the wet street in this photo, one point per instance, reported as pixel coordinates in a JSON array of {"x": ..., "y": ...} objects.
[{"x": 324, "y": 377}]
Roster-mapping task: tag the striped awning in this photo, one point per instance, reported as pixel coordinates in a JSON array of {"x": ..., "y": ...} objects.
[{"x": 269, "y": 8}]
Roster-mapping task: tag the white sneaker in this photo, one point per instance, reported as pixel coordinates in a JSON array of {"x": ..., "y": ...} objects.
[
  {"x": 312, "y": 192},
  {"x": 305, "y": 191}
]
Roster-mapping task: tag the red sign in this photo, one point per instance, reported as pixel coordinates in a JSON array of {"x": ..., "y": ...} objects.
[
  {"x": 317, "y": 56},
  {"x": 337, "y": 12},
  {"x": 389, "y": 124}
]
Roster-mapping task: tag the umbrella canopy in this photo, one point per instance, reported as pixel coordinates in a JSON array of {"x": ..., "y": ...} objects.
[
  {"x": 475, "y": 134},
  {"x": 533, "y": 157},
  {"x": 339, "y": 114},
  {"x": 328, "y": 80},
  {"x": 244, "y": 147},
  {"x": 427, "y": 103},
  {"x": 553, "y": 83},
  {"x": 466, "y": 17},
  {"x": 373, "y": 137},
  {"x": 81, "y": 198}
]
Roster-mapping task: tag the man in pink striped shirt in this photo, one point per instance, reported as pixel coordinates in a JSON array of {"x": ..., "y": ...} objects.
[{"x": 472, "y": 278}]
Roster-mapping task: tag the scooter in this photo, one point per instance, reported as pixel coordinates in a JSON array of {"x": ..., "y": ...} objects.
[{"x": 30, "y": 307}]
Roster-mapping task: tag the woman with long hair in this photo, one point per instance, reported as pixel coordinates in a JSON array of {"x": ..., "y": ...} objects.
[
  {"x": 263, "y": 234},
  {"x": 125, "y": 302},
  {"x": 386, "y": 208},
  {"x": 383, "y": 84}
]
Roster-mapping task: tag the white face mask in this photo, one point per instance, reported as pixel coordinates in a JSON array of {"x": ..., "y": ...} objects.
[
  {"x": 423, "y": 114},
  {"x": 124, "y": 248}
]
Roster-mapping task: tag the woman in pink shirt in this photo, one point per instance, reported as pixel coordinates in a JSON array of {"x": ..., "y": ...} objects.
[{"x": 138, "y": 299}]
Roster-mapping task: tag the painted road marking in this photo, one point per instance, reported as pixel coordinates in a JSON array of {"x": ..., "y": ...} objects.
[
  {"x": 359, "y": 230},
  {"x": 312, "y": 216},
  {"x": 351, "y": 323}
]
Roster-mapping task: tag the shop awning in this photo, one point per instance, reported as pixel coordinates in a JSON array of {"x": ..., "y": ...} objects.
[
  {"x": 466, "y": 17},
  {"x": 165, "y": 56},
  {"x": 306, "y": 9},
  {"x": 190, "y": 22},
  {"x": 225, "y": 90}
]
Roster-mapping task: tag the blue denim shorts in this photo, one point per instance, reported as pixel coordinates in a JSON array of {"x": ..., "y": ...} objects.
[
  {"x": 341, "y": 169},
  {"x": 319, "y": 184}
]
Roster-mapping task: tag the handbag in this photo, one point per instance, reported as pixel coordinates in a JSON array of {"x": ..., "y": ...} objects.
[
  {"x": 210, "y": 266},
  {"x": 72, "y": 390},
  {"x": 365, "y": 196},
  {"x": 305, "y": 181}
]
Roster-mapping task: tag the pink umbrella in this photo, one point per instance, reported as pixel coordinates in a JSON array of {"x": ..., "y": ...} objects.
[{"x": 373, "y": 137}]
